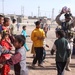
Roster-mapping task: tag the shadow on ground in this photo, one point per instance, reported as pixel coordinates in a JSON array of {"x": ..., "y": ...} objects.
[{"x": 43, "y": 68}]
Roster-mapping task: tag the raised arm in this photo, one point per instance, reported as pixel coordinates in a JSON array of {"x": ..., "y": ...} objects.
[
  {"x": 59, "y": 22},
  {"x": 58, "y": 19}
]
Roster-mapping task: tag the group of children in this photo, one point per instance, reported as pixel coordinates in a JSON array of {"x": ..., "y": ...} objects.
[
  {"x": 61, "y": 47},
  {"x": 7, "y": 42}
]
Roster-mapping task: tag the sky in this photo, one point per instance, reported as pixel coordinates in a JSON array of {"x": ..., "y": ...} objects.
[{"x": 31, "y": 7}]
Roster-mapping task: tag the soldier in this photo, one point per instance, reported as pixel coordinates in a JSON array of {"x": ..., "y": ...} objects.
[{"x": 67, "y": 26}]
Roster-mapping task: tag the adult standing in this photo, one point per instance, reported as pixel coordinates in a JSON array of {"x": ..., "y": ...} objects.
[
  {"x": 45, "y": 29},
  {"x": 38, "y": 37},
  {"x": 18, "y": 25},
  {"x": 13, "y": 27}
]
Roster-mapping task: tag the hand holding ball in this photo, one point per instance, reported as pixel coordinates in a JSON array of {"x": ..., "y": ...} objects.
[{"x": 65, "y": 9}]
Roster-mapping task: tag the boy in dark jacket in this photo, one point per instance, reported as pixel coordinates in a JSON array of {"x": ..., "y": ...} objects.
[{"x": 62, "y": 48}]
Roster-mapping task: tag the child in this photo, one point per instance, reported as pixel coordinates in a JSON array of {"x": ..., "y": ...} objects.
[
  {"x": 2, "y": 48},
  {"x": 19, "y": 59},
  {"x": 70, "y": 40},
  {"x": 62, "y": 48},
  {"x": 25, "y": 35},
  {"x": 5, "y": 42},
  {"x": 37, "y": 36},
  {"x": 5, "y": 27},
  {"x": 44, "y": 50},
  {"x": 2, "y": 51}
]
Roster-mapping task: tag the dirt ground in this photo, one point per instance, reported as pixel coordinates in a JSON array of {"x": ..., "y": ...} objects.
[{"x": 49, "y": 63}]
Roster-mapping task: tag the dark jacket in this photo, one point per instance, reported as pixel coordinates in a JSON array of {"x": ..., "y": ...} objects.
[{"x": 62, "y": 52}]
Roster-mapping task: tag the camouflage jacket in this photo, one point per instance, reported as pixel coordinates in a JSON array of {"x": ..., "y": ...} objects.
[{"x": 71, "y": 23}]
